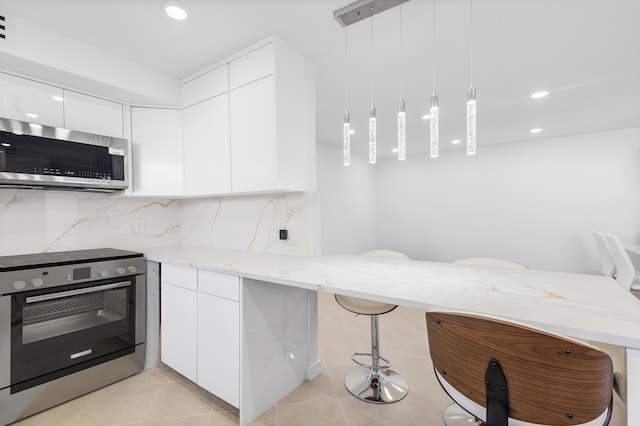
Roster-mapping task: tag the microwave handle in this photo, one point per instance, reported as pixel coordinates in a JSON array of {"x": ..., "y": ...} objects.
[{"x": 52, "y": 296}]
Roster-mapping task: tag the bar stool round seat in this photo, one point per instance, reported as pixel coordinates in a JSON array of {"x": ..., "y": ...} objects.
[{"x": 374, "y": 382}]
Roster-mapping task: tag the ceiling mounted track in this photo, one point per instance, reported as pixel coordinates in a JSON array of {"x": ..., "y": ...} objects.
[{"x": 363, "y": 9}]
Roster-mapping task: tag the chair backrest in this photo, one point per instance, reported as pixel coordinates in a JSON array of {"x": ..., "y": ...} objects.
[
  {"x": 607, "y": 264},
  {"x": 489, "y": 261},
  {"x": 625, "y": 271},
  {"x": 550, "y": 379}
]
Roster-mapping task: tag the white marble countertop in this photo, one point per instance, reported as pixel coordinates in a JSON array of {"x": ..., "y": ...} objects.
[{"x": 583, "y": 306}]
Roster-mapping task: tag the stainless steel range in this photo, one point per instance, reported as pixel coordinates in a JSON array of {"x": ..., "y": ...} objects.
[{"x": 70, "y": 322}]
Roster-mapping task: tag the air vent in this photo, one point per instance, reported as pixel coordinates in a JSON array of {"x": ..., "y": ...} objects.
[
  {"x": 7, "y": 31},
  {"x": 3, "y": 26}
]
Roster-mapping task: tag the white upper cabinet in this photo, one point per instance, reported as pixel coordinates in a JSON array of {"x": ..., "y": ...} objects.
[
  {"x": 207, "y": 85},
  {"x": 93, "y": 115},
  {"x": 156, "y": 139},
  {"x": 254, "y": 143},
  {"x": 272, "y": 120},
  {"x": 27, "y": 100},
  {"x": 207, "y": 163},
  {"x": 252, "y": 66}
]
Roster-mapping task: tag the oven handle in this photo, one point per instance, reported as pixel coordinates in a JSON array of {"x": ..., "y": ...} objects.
[{"x": 68, "y": 293}]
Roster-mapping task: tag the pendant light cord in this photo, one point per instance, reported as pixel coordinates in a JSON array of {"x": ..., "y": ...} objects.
[
  {"x": 434, "y": 45},
  {"x": 471, "y": 41},
  {"x": 371, "y": 62},
  {"x": 346, "y": 86},
  {"x": 401, "y": 57}
]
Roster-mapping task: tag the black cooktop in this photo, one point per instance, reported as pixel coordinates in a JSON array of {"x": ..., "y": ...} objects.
[{"x": 38, "y": 260}]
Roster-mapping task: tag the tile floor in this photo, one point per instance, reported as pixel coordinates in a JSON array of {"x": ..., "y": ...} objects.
[{"x": 160, "y": 397}]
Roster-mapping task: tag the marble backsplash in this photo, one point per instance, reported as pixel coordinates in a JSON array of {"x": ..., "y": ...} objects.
[
  {"x": 34, "y": 221},
  {"x": 252, "y": 223}
]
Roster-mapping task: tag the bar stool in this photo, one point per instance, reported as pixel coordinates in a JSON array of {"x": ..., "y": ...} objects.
[{"x": 374, "y": 382}]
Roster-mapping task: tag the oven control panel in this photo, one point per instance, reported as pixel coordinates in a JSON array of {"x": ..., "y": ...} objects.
[{"x": 59, "y": 275}]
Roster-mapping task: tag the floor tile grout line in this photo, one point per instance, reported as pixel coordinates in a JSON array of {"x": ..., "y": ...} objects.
[{"x": 163, "y": 384}]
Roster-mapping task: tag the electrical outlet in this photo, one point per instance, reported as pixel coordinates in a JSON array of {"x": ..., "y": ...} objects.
[
  {"x": 138, "y": 226},
  {"x": 125, "y": 227},
  {"x": 284, "y": 234}
]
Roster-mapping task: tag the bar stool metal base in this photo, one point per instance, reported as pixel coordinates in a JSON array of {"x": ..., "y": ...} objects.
[{"x": 379, "y": 386}]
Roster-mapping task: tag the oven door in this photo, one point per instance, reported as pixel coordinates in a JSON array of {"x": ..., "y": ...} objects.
[{"x": 61, "y": 330}]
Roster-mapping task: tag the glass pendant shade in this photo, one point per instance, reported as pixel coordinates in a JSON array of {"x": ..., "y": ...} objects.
[
  {"x": 372, "y": 134},
  {"x": 402, "y": 153},
  {"x": 471, "y": 120},
  {"x": 434, "y": 134},
  {"x": 346, "y": 140}
]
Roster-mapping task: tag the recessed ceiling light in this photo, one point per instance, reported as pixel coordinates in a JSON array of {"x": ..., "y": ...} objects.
[
  {"x": 426, "y": 117},
  {"x": 455, "y": 141},
  {"x": 5, "y": 144},
  {"x": 35, "y": 126},
  {"x": 175, "y": 10},
  {"x": 57, "y": 98},
  {"x": 536, "y": 130},
  {"x": 540, "y": 94},
  {"x": 31, "y": 115}
]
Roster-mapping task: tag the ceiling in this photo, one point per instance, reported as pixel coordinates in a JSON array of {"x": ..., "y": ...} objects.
[{"x": 586, "y": 53}]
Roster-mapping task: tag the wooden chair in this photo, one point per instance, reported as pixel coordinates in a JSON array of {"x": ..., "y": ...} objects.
[{"x": 507, "y": 373}]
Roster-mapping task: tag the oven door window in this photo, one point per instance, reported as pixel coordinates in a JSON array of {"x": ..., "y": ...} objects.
[{"x": 66, "y": 329}]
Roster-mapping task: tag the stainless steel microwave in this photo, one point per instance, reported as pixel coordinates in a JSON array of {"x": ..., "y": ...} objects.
[{"x": 43, "y": 157}]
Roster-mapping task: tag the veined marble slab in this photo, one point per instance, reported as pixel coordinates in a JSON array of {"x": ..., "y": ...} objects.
[{"x": 582, "y": 306}]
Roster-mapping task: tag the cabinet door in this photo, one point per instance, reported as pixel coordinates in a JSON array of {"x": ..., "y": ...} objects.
[
  {"x": 27, "y": 100},
  {"x": 207, "y": 162},
  {"x": 206, "y": 86},
  {"x": 156, "y": 140},
  {"x": 253, "y": 137},
  {"x": 252, "y": 66},
  {"x": 93, "y": 115},
  {"x": 179, "y": 325},
  {"x": 219, "y": 347}
]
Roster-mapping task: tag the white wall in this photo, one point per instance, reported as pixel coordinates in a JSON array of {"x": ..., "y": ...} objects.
[
  {"x": 530, "y": 202},
  {"x": 347, "y": 202}
]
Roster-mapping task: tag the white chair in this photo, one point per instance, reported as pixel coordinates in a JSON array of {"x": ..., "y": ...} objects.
[
  {"x": 374, "y": 382},
  {"x": 506, "y": 373},
  {"x": 626, "y": 274},
  {"x": 607, "y": 265}
]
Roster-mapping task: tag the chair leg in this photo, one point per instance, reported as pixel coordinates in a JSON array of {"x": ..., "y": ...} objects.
[{"x": 375, "y": 383}]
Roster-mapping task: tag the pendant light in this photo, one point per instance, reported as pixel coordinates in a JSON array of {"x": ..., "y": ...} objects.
[
  {"x": 372, "y": 110},
  {"x": 402, "y": 154},
  {"x": 346, "y": 127},
  {"x": 434, "y": 136},
  {"x": 471, "y": 96}
]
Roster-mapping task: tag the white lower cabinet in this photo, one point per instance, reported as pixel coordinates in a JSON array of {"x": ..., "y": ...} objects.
[
  {"x": 201, "y": 328},
  {"x": 179, "y": 319}
]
